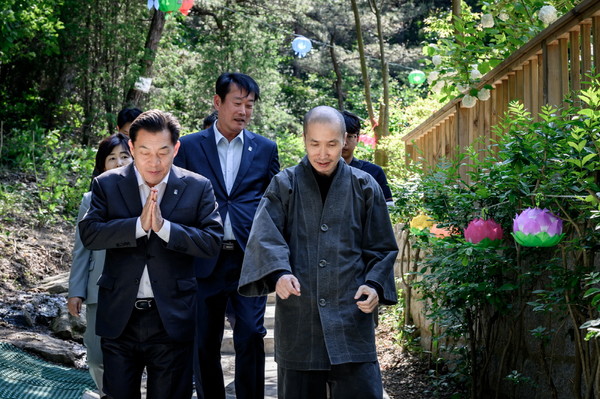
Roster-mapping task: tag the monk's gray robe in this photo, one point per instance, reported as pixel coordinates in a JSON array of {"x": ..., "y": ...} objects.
[{"x": 332, "y": 249}]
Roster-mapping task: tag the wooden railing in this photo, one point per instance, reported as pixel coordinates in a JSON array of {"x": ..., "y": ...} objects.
[{"x": 546, "y": 70}]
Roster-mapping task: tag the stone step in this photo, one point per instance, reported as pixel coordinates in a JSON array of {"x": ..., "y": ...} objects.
[{"x": 227, "y": 344}]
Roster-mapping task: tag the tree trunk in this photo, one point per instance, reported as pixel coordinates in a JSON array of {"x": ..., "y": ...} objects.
[
  {"x": 363, "y": 63},
  {"x": 338, "y": 74},
  {"x": 382, "y": 128},
  {"x": 456, "y": 11},
  {"x": 135, "y": 97}
]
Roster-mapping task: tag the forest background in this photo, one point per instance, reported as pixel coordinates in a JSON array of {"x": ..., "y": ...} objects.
[{"x": 68, "y": 66}]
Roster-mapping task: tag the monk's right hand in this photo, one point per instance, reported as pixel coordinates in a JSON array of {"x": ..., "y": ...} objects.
[{"x": 287, "y": 285}]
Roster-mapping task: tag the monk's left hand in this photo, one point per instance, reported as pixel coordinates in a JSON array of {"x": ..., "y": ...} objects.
[{"x": 372, "y": 300}]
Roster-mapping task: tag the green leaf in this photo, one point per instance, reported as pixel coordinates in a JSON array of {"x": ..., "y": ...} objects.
[
  {"x": 587, "y": 158},
  {"x": 591, "y": 291}
]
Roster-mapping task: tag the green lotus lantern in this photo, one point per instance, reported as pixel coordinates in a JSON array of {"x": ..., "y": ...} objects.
[
  {"x": 417, "y": 77},
  {"x": 536, "y": 227},
  {"x": 169, "y": 5}
]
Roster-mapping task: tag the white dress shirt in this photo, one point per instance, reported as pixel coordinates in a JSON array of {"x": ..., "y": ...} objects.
[
  {"x": 230, "y": 156},
  {"x": 145, "y": 288}
]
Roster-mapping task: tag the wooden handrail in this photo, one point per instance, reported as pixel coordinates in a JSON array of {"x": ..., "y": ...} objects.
[{"x": 543, "y": 71}]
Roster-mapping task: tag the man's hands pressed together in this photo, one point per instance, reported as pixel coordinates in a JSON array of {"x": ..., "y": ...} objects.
[{"x": 151, "y": 217}]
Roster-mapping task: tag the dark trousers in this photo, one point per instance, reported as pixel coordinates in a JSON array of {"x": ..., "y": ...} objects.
[
  {"x": 343, "y": 381},
  {"x": 145, "y": 343},
  {"x": 248, "y": 332}
]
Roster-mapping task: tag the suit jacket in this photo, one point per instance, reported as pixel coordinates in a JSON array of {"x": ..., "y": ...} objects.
[
  {"x": 87, "y": 265},
  {"x": 196, "y": 231},
  {"x": 259, "y": 163}
]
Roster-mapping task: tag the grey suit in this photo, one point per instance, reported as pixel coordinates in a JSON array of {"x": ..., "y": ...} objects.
[{"x": 85, "y": 271}]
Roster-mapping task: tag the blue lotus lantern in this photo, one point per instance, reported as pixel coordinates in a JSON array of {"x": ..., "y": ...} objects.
[{"x": 301, "y": 46}]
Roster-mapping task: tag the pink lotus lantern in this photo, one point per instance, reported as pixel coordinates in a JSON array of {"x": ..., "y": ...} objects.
[
  {"x": 536, "y": 227},
  {"x": 367, "y": 140},
  {"x": 186, "y": 6},
  {"x": 483, "y": 232}
]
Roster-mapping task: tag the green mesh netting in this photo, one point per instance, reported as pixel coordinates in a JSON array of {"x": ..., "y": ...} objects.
[{"x": 23, "y": 376}]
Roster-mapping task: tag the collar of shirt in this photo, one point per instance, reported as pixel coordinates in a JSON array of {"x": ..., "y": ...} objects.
[
  {"x": 219, "y": 136},
  {"x": 145, "y": 189}
]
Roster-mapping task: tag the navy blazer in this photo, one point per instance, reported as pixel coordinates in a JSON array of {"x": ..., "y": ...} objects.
[
  {"x": 196, "y": 231},
  {"x": 259, "y": 163}
]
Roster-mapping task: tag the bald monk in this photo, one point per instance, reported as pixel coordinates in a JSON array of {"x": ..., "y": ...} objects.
[{"x": 323, "y": 241}]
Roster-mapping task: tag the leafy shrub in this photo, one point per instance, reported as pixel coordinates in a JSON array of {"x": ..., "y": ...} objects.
[{"x": 472, "y": 293}]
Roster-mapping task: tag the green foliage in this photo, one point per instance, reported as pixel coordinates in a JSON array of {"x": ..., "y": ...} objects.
[
  {"x": 550, "y": 161},
  {"x": 467, "y": 48},
  {"x": 27, "y": 27},
  {"x": 62, "y": 171}
]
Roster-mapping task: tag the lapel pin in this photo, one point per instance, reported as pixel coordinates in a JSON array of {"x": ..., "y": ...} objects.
[
  {"x": 249, "y": 148},
  {"x": 175, "y": 191}
]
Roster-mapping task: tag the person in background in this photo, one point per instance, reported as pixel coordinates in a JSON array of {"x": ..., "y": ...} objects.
[
  {"x": 322, "y": 240},
  {"x": 240, "y": 165},
  {"x": 353, "y": 132},
  {"x": 210, "y": 120},
  {"x": 124, "y": 119},
  {"x": 153, "y": 219},
  {"x": 113, "y": 152}
]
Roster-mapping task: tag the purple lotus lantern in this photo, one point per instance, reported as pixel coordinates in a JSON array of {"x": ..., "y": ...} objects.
[
  {"x": 536, "y": 227},
  {"x": 483, "y": 232}
]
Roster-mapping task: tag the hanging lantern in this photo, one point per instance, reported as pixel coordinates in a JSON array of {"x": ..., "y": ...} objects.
[
  {"x": 536, "y": 227},
  {"x": 186, "y": 6},
  {"x": 417, "y": 77},
  {"x": 301, "y": 46},
  {"x": 169, "y": 5},
  {"x": 439, "y": 232},
  {"x": 484, "y": 233}
]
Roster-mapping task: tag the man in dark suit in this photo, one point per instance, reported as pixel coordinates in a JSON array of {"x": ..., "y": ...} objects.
[
  {"x": 153, "y": 219},
  {"x": 353, "y": 133},
  {"x": 240, "y": 165}
]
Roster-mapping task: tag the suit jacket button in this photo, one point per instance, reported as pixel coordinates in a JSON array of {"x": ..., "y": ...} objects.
[
  {"x": 322, "y": 263},
  {"x": 322, "y": 302},
  {"x": 324, "y": 227},
  {"x": 136, "y": 281}
]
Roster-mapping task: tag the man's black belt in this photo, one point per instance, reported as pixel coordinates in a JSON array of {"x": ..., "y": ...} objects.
[
  {"x": 145, "y": 304},
  {"x": 230, "y": 245}
]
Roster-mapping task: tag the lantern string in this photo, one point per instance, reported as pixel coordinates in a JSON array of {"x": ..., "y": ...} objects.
[{"x": 312, "y": 40}]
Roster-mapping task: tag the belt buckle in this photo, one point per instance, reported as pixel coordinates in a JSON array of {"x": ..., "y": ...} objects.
[
  {"x": 228, "y": 245},
  {"x": 143, "y": 304}
]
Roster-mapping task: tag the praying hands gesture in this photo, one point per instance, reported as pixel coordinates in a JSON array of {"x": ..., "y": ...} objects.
[{"x": 151, "y": 217}]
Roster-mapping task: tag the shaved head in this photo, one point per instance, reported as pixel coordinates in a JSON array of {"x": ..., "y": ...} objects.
[{"x": 325, "y": 115}]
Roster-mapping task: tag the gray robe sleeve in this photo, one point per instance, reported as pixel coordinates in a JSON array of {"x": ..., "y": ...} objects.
[
  {"x": 267, "y": 250},
  {"x": 379, "y": 247}
]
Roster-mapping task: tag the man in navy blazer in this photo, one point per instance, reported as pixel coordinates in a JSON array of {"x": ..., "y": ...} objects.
[
  {"x": 153, "y": 219},
  {"x": 240, "y": 165}
]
